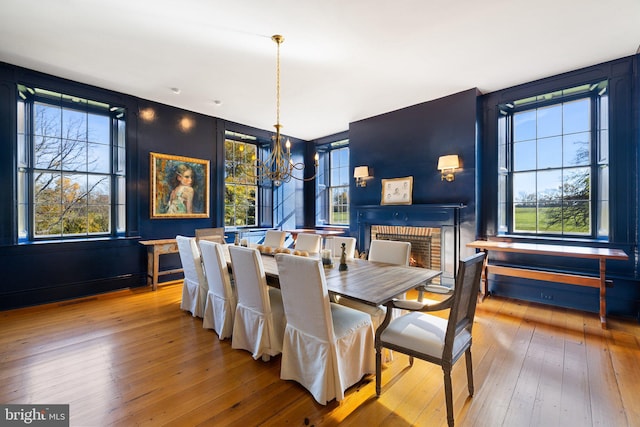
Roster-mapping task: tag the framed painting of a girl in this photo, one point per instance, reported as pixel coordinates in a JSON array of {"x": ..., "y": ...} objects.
[{"x": 179, "y": 187}]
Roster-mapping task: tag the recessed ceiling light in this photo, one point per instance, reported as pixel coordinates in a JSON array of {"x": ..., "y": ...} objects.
[{"x": 175, "y": 90}]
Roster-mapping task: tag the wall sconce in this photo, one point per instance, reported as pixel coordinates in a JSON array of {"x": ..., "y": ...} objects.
[
  {"x": 447, "y": 165},
  {"x": 361, "y": 174}
]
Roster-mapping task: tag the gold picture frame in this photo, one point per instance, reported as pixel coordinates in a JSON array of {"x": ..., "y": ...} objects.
[
  {"x": 397, "y": 191},
  {"x": 179, "y": 187}
]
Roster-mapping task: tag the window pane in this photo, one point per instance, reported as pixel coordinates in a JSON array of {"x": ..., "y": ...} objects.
[
  {"x": 48, "y": 220},
  {"x": 98, "y": 158},
  {"x": 524, "y": 126},
  {"x": 74, "y": 155},
  {"x": 524, "y": 188},
  {"x": 549, "y": 121},
  {"x": 576, "y": 116},
  {"x": 524, "y": 156},
  {"x": 74, "y": 190},
  {"x": 46, "y": 153},
  {"x": 524, "y": 216},
  {"x": 47, "y": 189},
  {"x": 98, "y": 129},
  {"x": 576, "y": 149},
  {"x": 548, "y": 186},
  {"x": 74, "y": 124},
  {"x": 576, "y": 184},
  {"x": 47, "y": 120},
  {"x": 99, "y": 219},
  {"x": 550, "y": 152},
  {"x": 99, "y": 190}
]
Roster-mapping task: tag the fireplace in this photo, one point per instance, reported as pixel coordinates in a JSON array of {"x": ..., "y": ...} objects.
[
  {"x": 432, "y": 230},
  {"x": 425, "y": 242}
]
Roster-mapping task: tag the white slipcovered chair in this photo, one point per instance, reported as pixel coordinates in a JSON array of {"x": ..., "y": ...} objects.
[
  {"x": 327, "y": 347},
  {"x": 391, "y": 252},
  {"x": 335, "y": 244},
  {"x": 220, "y": 305},
  {"x": 432, "y": 338},
  {"x": 195, "y": 286},
  {"x": 274, "y": 238},
  {"x": 308, "y": 242},
  {"x": 259, "y": 320}
]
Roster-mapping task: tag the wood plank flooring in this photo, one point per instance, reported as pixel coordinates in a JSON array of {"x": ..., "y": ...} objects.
[{"x": 133, "y": 358}]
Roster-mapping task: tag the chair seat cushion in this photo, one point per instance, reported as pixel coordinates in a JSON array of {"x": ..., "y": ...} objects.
[{"x": 422, "y": 333}]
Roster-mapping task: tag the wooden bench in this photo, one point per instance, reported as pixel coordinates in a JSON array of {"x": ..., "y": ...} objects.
[{"x": 601, "y": 254}]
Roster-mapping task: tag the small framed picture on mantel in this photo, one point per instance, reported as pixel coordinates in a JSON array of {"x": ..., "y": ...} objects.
[{"x": 397, "y": 191}]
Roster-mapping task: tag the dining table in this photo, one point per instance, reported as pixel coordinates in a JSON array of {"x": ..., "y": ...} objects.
[{"x": 373, "y": 283}]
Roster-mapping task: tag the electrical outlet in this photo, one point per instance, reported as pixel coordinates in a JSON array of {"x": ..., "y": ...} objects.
[{"x": 546, "y": 296}]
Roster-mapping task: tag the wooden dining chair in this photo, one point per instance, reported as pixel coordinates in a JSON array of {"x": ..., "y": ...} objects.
[
  {"x": 437, "y": 340},
  {"x": 195, "y": 286},
  {"x": 308, "y": 242},
  {"x": 274, "y": 238},
  {"x": 220, "y": 303},
  {"x": 327, "y": 347},
  {"x": 259, "y": 320}
]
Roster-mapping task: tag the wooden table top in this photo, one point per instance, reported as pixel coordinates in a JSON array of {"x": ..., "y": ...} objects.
[
  {"x": 553, "y": 250},
  {"x": 373, "y": 283}
]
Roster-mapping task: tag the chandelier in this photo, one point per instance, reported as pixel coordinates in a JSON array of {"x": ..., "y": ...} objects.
[{"x": 279, "y": 167}]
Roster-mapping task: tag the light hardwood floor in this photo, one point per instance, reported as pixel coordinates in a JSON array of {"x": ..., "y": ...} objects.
[{"x": 134, "y": 358}]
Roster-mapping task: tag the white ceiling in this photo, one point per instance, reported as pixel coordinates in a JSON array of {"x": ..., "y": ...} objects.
[{"x": 342, "y": 60}]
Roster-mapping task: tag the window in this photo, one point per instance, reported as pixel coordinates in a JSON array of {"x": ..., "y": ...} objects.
[
  {"x": 240, "y": 182},
  {"x": 332, "y": 185},
  {"x": 553, "y": 164},
  {"x": 71, "y": 166}
]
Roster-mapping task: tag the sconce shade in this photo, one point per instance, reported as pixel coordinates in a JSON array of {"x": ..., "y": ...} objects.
[
  {"x": 448, "y": 162},
  {"x": 447, "y": 165},
  {"x": 361, "y": 172}
]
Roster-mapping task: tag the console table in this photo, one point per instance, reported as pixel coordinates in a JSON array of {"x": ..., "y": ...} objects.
[
  {"x": 155, "y": 248},
  {"x": 601, "y": 254}
]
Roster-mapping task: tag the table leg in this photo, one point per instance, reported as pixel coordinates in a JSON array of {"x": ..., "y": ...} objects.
[
  {"x": 485, "y": 276},
  {"x": 156, "y": 264},
  {"x": 603, "y": 296},
  {"x": 149, "y": 266}
]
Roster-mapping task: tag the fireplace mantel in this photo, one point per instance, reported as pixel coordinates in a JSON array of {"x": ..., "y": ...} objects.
[{"x": 443, "y": 216}]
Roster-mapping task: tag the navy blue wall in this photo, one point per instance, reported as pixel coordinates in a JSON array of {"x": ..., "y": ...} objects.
[
  {"x": 624, "y": 297},
  {"x": 45, "y": 272},
  {"x": 408, "y": 142}
]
